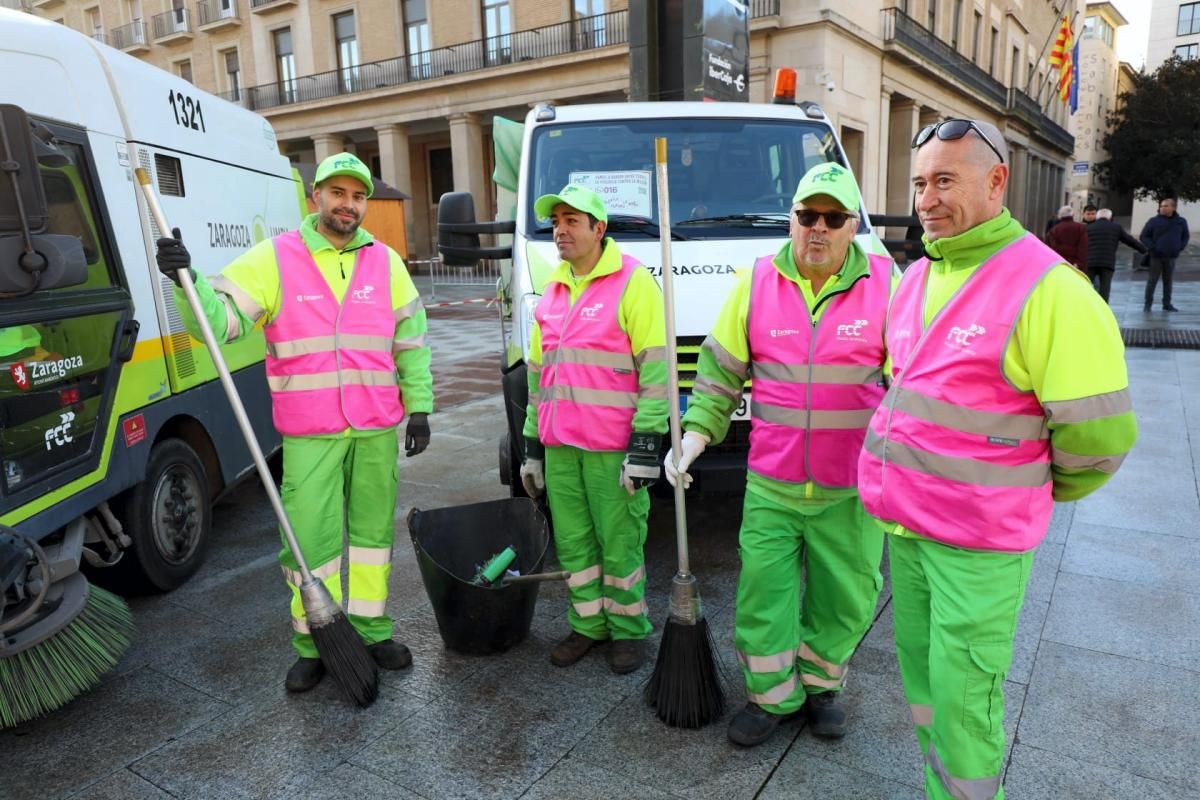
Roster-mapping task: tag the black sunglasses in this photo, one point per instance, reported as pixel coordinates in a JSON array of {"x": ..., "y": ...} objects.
[
  {"x": 833, "y": 219},
  {"x": 950, "y": 129}
]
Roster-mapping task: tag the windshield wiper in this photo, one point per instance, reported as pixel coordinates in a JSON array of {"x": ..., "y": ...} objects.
[
  {"x": 625, "y": 222},
  {"x": 773, "y": 219}
]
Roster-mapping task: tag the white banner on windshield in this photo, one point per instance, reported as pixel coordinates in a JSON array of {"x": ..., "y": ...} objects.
[{"x": 624, "y": 192}]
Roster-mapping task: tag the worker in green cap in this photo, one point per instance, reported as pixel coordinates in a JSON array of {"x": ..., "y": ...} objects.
[
  {"x": 593, "y": 428},
  {"x": 807, "y": 325},
  {"x": 346, "y": 362}
]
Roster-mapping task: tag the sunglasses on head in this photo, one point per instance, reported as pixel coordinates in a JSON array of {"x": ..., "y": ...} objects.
[
  {"x": 950, "y": 129},
  {"x": 833, "y": 219}
]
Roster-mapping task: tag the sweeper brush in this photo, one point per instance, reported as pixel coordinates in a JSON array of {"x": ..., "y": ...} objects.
[{"x": 58, "y": 636}]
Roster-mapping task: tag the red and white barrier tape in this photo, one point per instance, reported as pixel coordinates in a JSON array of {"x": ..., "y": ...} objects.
[{"x": 488, "y": 300}]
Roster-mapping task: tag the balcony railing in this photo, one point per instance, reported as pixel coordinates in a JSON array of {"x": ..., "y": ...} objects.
[
  {"x": 129, "y": 36},
  {"x": 211, "y": 11},
  {"x": 18, "y": 5},
  {"x": 100, "y": 37},
  {"x": 256, "y": 5},
  {"x": 903, "y": 30},
  {"x": 175, "y": 22},
  {"x": 587, "y": 33},
  {"x": 764, "y": 8},
  {"x": 1030, "y": 112}
]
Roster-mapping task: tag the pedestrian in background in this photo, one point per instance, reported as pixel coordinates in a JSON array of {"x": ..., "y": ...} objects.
[
  {"x": 596, "y": 415},
  {"x": 1009, "y": 392},
  {"x": 1104, "y": 236},
  {"x": 1165, "y": 236},
  {"x": 1069, "y": 239}
]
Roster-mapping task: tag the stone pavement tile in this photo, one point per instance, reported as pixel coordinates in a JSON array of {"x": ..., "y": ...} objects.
[
  {"x": 1170, "y": 506},
  {"x": 1150, "y": 559},
  {"x": 1143, "y": 622},
  {"x": 1029, "y": 635},
  {"x": 693, "y": 763},
  {"x": 436, "y": 670},
  {"x": 1060, "y": 523},
  {"x": 249, "y": 751},
  {"x": 493, "y": 737},
  {"x": 804, "y": 775},
  {"x": 342, "y": 782},
  {"x": 581, "y": 781},
  {"x": 116, "y": 723},
  {"x": 1035, "y": 774},
  {"x": 1116, "y": 712},
  {"x": 1046, "y": 560},
  {"x": 122, "y": 785}
]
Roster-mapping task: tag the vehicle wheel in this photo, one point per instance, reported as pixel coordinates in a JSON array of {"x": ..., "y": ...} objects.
[{"x": 169, "y": 519}]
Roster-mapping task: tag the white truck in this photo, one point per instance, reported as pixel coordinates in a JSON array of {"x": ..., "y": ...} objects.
[
  {"x": 115, "y": 437},
  {"x": 733, "y": 170}
]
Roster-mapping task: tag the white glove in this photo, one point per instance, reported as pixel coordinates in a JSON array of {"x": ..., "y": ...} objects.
[
  {"x": 690, "y": 448},
  {"x": 533, "y": 477}
]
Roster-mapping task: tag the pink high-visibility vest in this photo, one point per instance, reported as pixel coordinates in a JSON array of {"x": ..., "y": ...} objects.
[
  {"x": 956, "y": 452},
  {"x": 815, "y": 384},
  {"x": 329, "y": 364},
  {"x": 589, "y": 386}
]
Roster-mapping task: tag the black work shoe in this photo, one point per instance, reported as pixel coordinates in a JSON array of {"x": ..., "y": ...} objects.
[
  {"x": 625, "y": 655},
  {"x": 304, "y": 674},
  {"x": 826, "y": 715},
  {"x": 753, "y": 725},
  {"x": 1146, "y": 309},
  {"x": 390, "y": 654},
  {"x": 571, "y": 649},
  {"x": 1169, "y": 307}
]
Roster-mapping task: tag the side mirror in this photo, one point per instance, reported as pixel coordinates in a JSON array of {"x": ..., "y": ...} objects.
[
  {"x": 458, "y": 232},
  {"x": 63, "y": 263},
  {"x": 22, "y": 201}
]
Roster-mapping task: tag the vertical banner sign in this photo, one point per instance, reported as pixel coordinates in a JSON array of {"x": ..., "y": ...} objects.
[{"x": 717, "y": 51}]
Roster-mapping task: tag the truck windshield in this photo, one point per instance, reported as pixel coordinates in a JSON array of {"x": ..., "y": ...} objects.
[{"x": 729, "y": 178}]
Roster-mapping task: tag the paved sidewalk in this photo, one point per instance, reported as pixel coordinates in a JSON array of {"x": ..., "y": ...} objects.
[
  {"x": 1103, "y": 696},
  {"x": 1129, "y": 289}
]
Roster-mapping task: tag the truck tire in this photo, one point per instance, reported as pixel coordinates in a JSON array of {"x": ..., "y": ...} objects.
[{"x": 169, "y": 518}]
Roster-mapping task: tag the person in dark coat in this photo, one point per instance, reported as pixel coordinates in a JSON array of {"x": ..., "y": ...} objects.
[
  {"x": 1104, "y": 236},
  {"x": 1069, "y": 239},
  {"x": 1165, "y": 235}
]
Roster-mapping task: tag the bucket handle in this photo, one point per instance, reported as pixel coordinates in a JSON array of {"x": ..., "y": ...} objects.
[{"x": 534, "y": 577}]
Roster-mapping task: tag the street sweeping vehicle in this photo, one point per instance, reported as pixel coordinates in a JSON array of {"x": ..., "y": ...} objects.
[
  {"x": 115, "y": 439},
  {"x": 733, "y": 170}
]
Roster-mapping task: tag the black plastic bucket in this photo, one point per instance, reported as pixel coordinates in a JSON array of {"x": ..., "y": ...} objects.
[{"x": 451, "y": 543}]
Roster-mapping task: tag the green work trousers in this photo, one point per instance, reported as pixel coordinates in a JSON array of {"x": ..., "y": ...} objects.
[
  {"x": 600, "y": 533},
  {"x": 332, "y": 484},
  {"x": 795, "y": 638},
  {"x": 956, "y": 614}
]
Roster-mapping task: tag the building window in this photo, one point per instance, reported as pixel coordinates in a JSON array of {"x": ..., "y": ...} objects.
[
  {"x": 976, "y": 32},
  {"x": 1189, "y": 19},
  {"x": 416, "y": 29},
  {"x": 1096, "y": 27},
  {"x": 931, "y": 17},
  {"x": 184, "y": 70},
  {"x": 233, "y": 74},
  {"x": 955, "y": 23},
  {"x": 346, "y": 43},
  {"x": 285, "y": 64},
  {"x": 589, "y": 24},
  {"x": 95, "y": 24},
  {"x": 1187, "y": 51},
  {"x": 497, "y": 30},
  {"x": 1015, "y": 80},
  {"x": 992, "y": 53}
]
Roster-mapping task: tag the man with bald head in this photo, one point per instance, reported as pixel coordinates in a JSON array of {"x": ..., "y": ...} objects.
[{"x": 1008, "y": 393}]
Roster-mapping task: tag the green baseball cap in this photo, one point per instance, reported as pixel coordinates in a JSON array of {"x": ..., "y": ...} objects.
[
  {"x": 345, "y": 164},
  {"x": 829, "y": 179},
  {"x": 577, "y": 197}
]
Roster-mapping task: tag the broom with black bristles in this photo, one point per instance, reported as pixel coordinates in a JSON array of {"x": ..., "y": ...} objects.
[
  {"x": 341, "y": 649},
  {"x": 60, "y": 636},
  {"x": 685, "y": 688}
]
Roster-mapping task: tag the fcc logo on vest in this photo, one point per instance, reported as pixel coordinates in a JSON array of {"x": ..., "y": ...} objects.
[
  {"x": 362, "y": 295},
  {"x": 852, "y": 331},
  {"x": 590, "y": 312},
  {"x": 960, "y": 338}
]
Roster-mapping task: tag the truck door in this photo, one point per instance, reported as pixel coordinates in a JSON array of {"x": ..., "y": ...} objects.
[{"x": 61, "y": 349}]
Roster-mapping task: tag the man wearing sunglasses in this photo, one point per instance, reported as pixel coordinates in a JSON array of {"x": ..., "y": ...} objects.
[
  {"x": 1008, "y": 392},
  {"x": 807, "y": 325}
]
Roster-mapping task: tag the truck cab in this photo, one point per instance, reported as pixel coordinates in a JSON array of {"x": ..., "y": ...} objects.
[{"x": 733, "y": 170}]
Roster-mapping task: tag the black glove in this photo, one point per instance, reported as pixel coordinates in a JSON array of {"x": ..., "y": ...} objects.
[
  {"x": 172, "y": 256},
  {"x": 640, "y": 467},
  {"x": 534, "y": 448},
  {"x": 416, "y": 436}
]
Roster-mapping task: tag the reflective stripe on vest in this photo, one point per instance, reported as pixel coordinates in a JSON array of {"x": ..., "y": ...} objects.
[
  {"x": 328, "y": 370},
  {"x": 588, "y": 391},
  {"x": 815, "y": 384},
  {"x": 956, "y": 452}
]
